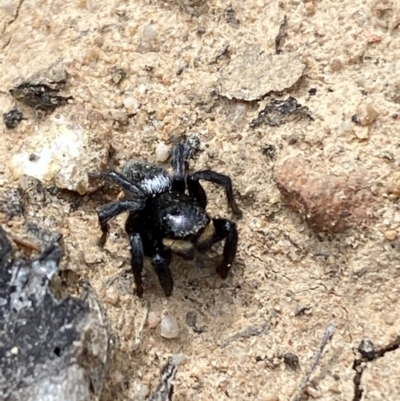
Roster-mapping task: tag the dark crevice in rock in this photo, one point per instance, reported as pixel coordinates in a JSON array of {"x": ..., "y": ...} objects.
[{"x": 368, "y": 354}]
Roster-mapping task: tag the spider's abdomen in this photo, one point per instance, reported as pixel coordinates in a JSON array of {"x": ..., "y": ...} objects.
[{"x": 179, "y": 216}]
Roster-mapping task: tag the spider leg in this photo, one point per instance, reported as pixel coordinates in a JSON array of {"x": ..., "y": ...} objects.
[
  {"x": 137, "y": 260},
  {"x": 181, "y": 153},
  {"x": 113, "y": 210},
  {"x": 220, "y": 179},
  {"x": 178, "y": 165},
  {"x": 160, "y": 261},
  {"x": 197, "y": 191},
  {"x": 125, "y": 184},
  {"x": 223, "y": 229}
]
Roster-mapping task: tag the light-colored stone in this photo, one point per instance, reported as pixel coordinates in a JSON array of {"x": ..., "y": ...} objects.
[
  {"x": 112, "y": 295},
  {"x": 253, "y": 72},
  {"x": 366, "y": 114},
  {"x": 153, "y": 319},
  {"x": 391, "y": 235},
  {"x": 162, "y": 152},
  {"x": 68, "y": 150},
  {"x": 91, "y": 258},
  {"x": 169, "y": 325}
]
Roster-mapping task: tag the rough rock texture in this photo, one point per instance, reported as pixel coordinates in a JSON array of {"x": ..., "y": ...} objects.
[
  {"x": 328, "y": 203},
  {"x": 51, "y": 349},
  {"x": 252, "y": 74},
  {"x": 41, "y": 91},
  {"x": 151, "y": 69},
  {"x": 69, "y": 150},
  {"x": 379, "y": 379}
]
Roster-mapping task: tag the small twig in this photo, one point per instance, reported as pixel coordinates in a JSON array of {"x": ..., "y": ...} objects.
[
  {"x": 26, "y": 243},
  {"x": 139, "y": 332},
  {"x": 251, "y": 331},
  {"x": 280, "y": 36},
  {"x": 317, "y": 356}
]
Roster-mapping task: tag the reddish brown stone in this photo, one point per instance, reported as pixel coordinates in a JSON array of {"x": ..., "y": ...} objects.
[{"x": 329, "y": 203}]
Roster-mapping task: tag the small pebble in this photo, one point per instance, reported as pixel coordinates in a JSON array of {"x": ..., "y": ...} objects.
[
  {"x": 389, "y": 319},
  {"x": 14, "y": 350},
  {"x": 131, "y": 104},
  {"x": 312, "y": 392},
  {"x": 153, "y": 319},
  {"x": 367, "y": 349},
  {"x": 391, "y": 235},
  {"x": 112, "y": 296},
  {"x": 237, "y": 114},
  {"x": 271, "y": 397},
  {"x": 169, "y": 326},
  {"x": 140, "y": 391},
  {"x": 191, "y": 318},
  {"x": 149, "y": 33},
  {"x": 366, "y": 114},
  {"x": 91, "y": 258},
  {"x": 162, "y": 152},
  {"x": 361, "y": 132},
  {"x": 336, "y": 65}
]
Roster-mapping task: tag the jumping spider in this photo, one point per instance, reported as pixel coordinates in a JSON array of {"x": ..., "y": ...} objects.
[{"x": 168, "y": 214}]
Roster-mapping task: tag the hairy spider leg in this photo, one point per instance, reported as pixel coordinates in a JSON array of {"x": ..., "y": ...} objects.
[
  {"x": 125, "y": 184},
  {"x": 113, "y": 210},
  {"x": 197, "y": 191},
  {"x": 143, "y": 245},
  {"x": 178, "y": 166},
  {"x": 137, "y": 260},
  {"x": 181, "y": 153},
  {"x": 160, "y": 260},
  {"x": 223, "y": 229}
]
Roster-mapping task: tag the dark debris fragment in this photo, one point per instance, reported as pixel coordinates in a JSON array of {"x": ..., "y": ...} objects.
[
  {"x": 12, "y": 118},
  {"x": 269, "y": 151},
  {"x": 367, "y": 349},
  {"x": 281, "y": 35},
  {"x": 230, "y": 17},
  {"x": 12, "y": 203},
  {"x": 251, "y": 331},
  {"x": 291, "y": 361},
  {"x": 279, "y": 112},
  {"x": 355, "y": 119},
  {"x": 165, "y": 389},
  {"x": 117, "y": 75},
  {"x": 44, "y": 237},
  {"x": 39, "y": 96}
]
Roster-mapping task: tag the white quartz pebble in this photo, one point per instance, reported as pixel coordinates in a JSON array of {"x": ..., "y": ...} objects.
[
  {"x": 162, "y": 152},
  {"x": 169, "y": 326}
]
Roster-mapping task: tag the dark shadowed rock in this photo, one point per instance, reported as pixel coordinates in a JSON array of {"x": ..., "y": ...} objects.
[{"x": 50, "y": 349}]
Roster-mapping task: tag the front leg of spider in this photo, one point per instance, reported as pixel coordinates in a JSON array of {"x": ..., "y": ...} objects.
[
  {"x": 226, "y": 229},
  {"x": 223, "y": 230},
  {"x": 137, "y": 260},
  {"x": 181, "y": 153},
  {"x": 196, "y": 190},
  {"x": 178, "y": 166},
  {"x": 125, "y": 184},
  {"x": 111, "y": 211},
  {"x": 160, "y": 261}
]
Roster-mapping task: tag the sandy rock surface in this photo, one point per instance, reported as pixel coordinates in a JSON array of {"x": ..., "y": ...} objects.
[{"x": 152, "y": 70}]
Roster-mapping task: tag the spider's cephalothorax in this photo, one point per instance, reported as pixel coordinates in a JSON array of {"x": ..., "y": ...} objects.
[{"x": 167, "y": 214}]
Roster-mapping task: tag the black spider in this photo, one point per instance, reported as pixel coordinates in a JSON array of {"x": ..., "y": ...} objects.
[{"x": 167, "y": 214}]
